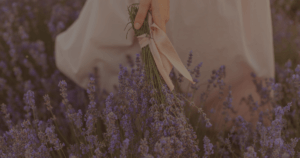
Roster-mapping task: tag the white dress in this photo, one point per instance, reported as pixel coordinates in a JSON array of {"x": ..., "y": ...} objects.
[{"x": 234, "y": 33}]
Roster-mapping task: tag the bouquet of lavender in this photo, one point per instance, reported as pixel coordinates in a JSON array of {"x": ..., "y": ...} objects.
[{"x": 158, "y": 54}]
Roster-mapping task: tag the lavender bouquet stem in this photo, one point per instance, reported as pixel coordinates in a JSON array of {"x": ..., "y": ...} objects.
[
  {"x": 153, "y": 77},
  {"x": 152, "y": 74}
]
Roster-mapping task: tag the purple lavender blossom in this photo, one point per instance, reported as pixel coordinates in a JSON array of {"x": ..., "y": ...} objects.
[
  {"x": 250, "y": 153},
  {"x": 52, "y": 138},
  {"x": 208, "y": 147},
  {"x": 124, "y": 148}
]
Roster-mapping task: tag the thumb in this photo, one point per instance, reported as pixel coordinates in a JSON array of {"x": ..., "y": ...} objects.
[{"x": 142, "y": 13}]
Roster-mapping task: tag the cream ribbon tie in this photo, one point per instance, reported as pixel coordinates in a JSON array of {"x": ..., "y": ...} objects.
[{"x": 163, "y": 53}]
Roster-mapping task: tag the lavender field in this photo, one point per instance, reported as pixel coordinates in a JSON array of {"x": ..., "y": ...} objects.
[{"x": 44, "y": 114}]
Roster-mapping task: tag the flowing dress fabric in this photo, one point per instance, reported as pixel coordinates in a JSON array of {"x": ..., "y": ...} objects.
[{"x": 234, "y": 33}]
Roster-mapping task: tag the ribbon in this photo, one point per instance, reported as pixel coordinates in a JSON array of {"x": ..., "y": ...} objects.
[{"x": 163, "y": 53}]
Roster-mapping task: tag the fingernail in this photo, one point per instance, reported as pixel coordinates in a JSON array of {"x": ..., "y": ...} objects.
[{"x": 137, "y": 25}]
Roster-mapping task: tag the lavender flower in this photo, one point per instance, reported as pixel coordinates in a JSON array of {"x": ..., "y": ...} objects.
[
  {"x": 190, "y": 59},
  {"x": 208, "y": 147},
  {"x": 250, "y": 153},
  {"x": 124, "y": 148},
  {"x": 6, "y": 116},
  {"x": 52, "y": 138}
]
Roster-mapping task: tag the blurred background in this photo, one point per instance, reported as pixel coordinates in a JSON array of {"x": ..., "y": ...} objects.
[
  {"x": 286, "y": 30},
  {"x": 27, "y": 33}
]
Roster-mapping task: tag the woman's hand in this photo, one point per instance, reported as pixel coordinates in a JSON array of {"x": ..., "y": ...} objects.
[{"x": 160, "y": 13}]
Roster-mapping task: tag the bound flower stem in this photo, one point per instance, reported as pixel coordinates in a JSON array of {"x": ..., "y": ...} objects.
[{"x": 153, "y": 76}]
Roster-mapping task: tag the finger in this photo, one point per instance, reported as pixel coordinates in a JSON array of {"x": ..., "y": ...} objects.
[
  {"x": 142, "y": 13},
  {"x": 164, "y": 8},
  {"x": 168, "y": 11},
  {"x": 158, "y": 15}
]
